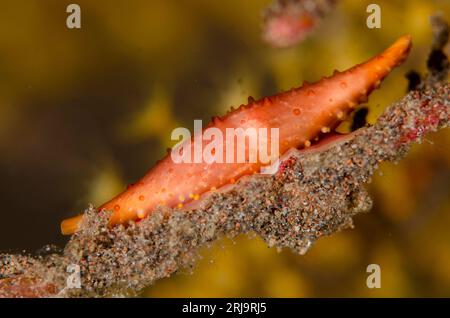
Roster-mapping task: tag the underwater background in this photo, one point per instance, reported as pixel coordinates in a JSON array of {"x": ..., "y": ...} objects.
[{"x": 85, "y": 112}]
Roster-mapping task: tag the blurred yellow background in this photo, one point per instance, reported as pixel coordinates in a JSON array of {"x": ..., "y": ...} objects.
[{"x": 85, "y": 112}]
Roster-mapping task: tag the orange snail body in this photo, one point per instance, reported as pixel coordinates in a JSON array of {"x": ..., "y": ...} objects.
[{"x": 300, "y": 114}]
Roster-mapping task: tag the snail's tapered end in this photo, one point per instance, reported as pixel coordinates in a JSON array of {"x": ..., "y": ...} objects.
[
  {"x": 399, "y": 50},
  {"x": 404, "y": 43},
  {"x": 70, "y": 226}
]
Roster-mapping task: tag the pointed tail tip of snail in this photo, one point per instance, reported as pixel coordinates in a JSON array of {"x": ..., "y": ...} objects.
[
  {"x": 405, "y": 41},
  {"x": 395, "y": 55},
  {"x": 400, "y": 49}
]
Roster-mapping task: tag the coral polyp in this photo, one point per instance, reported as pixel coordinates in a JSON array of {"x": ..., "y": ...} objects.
[{"x": 288, "y": 22}]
